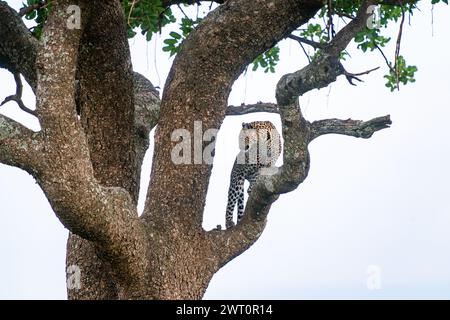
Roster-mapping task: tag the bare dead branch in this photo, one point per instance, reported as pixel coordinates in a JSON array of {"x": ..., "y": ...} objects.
[
  {"x": 314, "y": 44},
  {"x": 17, "y": 97},
  {"x": 251, "y": 108},
  {"x": 354, "y": 76},
  {"x": 19, "y": 146},
  {"x": 349, "y": 127}
]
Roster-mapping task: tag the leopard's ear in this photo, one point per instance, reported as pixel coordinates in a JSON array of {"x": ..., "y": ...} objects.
[{"x": 244, "y": 125}]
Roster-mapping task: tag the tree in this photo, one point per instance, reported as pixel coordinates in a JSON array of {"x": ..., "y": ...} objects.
[{"x": 96, "y": 115}]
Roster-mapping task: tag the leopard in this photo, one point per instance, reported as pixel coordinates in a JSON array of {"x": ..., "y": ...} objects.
[{"x": 260, "y": 147}]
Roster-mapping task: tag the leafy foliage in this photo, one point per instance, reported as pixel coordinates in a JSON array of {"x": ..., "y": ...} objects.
[
  {"x": 369, "y": 39},
  {"x": 315, "y": 32},
  {"x": 173, "y": 43},
  {"x": 268, "y": 60},
  {"x": 149, "y": 17},
  {"x": 39, "y": 15},
  {"x": 401, "y": 74}
]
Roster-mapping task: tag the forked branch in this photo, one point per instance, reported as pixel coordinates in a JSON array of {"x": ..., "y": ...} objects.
[
  {"x": 297, "y": 134},
  {"x": 17, "y": 97}
]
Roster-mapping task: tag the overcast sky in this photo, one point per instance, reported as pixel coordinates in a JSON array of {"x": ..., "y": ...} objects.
[{"x": 371, "y": 221}]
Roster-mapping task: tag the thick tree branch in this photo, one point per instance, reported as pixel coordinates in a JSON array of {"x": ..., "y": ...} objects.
[
  {"x": 251, "y": 108},
  {"x": 346, "y": 34},
  {"x": 19, "y": 146},
  {"x": 106, "y": 216},
  {"x": 146, "y": 115},
  {"x": 349, "y": 127},
  {"x": 98, "y": 273},
  {"x": 105, "y": 97},
  {"x": 326, "y": 67},
  {"x": 18, "y": 47}
]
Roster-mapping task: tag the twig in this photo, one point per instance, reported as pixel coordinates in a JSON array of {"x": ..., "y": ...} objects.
[
  {"x": 397, "y": 49},
  {"x": 345, "y": 15},
  {"x": 304, "y": 51},
  {"x": 18, "y": 96},
  {"x": 385, "y": 58},
  {"x": 314, "y": 44},
  {"x": 26, "y": 10},
  {"x": 182, "y": 11},
  {"x": 354, "y": 76},
  {"x": 131, "y": 11},
  {"x": 330, "y": 25}
]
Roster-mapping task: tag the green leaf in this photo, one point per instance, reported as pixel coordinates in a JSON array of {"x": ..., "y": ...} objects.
[
  {"x": 170, "y": 41},
  {"x": 175, "y": 35}
]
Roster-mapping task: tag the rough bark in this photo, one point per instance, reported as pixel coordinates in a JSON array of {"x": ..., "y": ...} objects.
[
  {"x": 19, "y": 146},
  {"x": 18, "y": 48},
  {"x": 105, "y": 103}
]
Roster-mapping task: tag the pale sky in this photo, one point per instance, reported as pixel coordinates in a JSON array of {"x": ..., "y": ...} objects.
[{"x": 369, "y": 209}]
